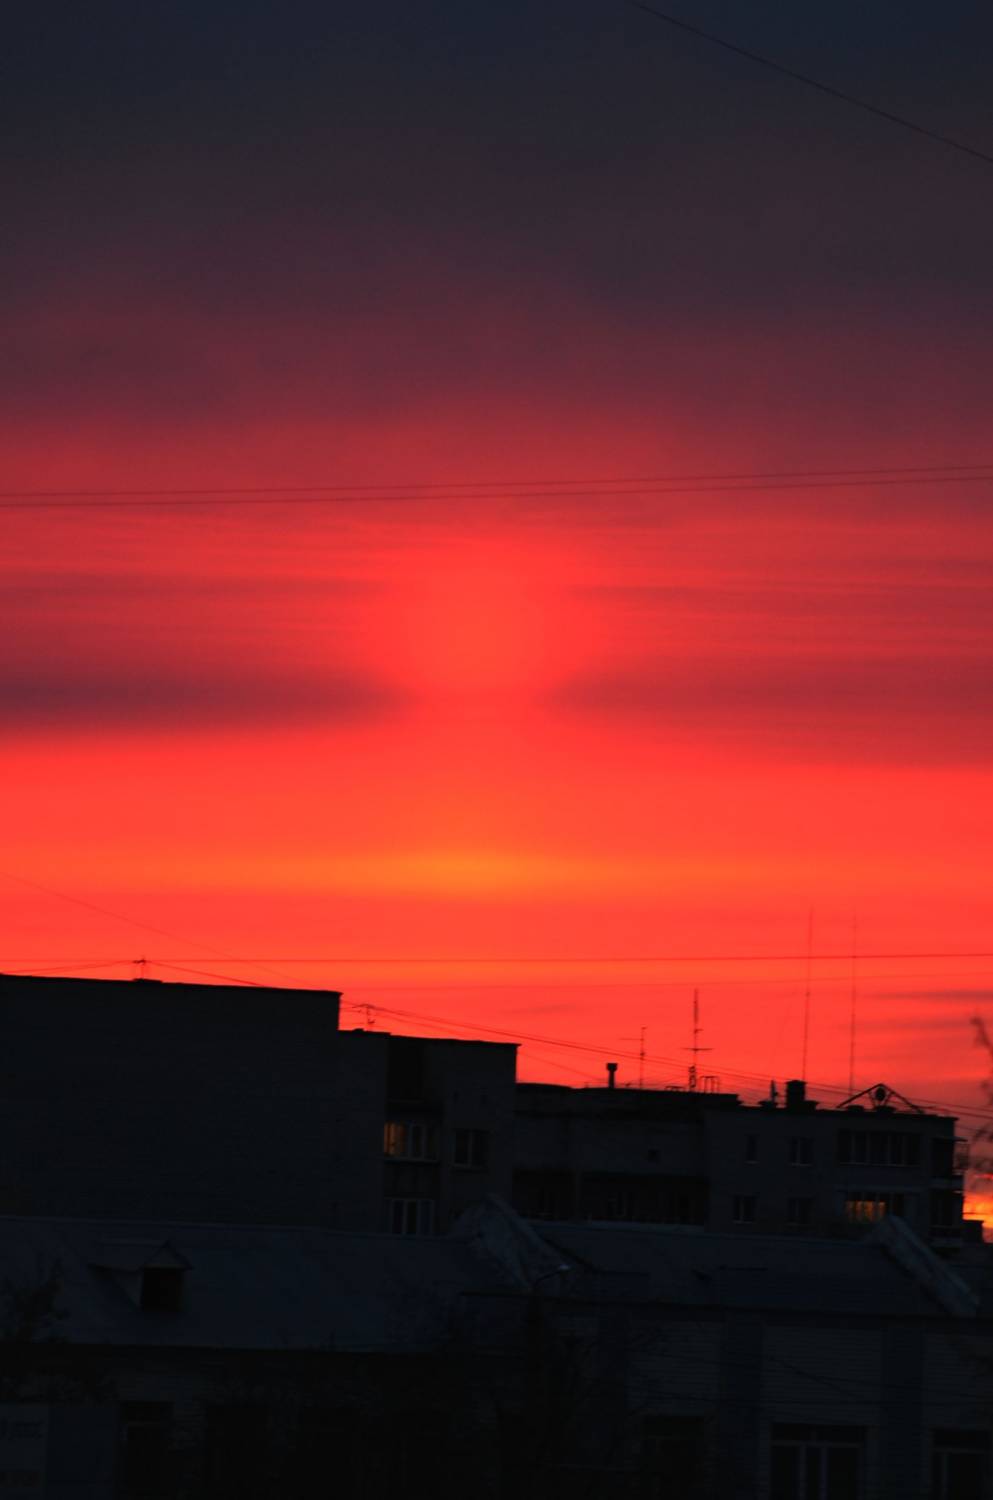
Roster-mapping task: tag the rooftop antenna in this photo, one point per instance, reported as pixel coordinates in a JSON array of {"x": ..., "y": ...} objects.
[
  {"x": 851, "y": 1025},
  {"x": 806, "y": 993},
  {"x": 140, "y": 965},
  {"x": 640, "y": 1039},
  {"x": 696, "y": 1049}
]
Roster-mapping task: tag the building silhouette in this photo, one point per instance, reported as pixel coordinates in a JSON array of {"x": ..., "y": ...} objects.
[
  {"x": 244, "y": 1253},
  {"x": 698, "y": 1158}
]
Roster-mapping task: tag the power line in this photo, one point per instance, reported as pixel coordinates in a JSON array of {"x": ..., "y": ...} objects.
[
  {"x": 440, "y": 486},
  {"x": 128, "y": 921},
  {"x": 615, "y": 1052},
  {"x": 168, "y": 499},
  {"x": 524, "y": 1037},
  {"x": 491, "y": 960},
  {"x": 41, "y": 967},
  {"x": 813, "y": 83}
]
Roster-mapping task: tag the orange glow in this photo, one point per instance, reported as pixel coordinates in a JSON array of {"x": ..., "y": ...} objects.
[{"x": 633, "y": 735}]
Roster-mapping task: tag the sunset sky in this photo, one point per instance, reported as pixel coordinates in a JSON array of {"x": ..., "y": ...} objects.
[{"x": 621, "y": 621}]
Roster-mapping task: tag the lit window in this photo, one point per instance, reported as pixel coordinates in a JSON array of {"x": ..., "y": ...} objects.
[
  {"x": 869, "y": 1207},
  {"x": 410, "y": 1140}
]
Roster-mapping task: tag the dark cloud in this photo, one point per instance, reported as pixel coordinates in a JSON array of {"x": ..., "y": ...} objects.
[
  {"x": 219, "y": 207},
  {"x": 84, "y": 699},
  {"x": 142, "y": 650},
  {"x": 897, "y": 711}
]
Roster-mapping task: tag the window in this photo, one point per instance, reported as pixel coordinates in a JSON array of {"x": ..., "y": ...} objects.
[
  {"x": 751, "y": 1148},
  {"x": 960, "y": 1465},
  {"x": 410, "y": 1140},
  {"x": 237, "y": 1451},
  {"x": 621, "y": 1204},
  {"x": 943, "y": 1156},
  {"x": 326, "y": 1452},
  {"x": 801, "y": 1150},
  {"x": 946, "y": 1209},
  {"x": 417, "y": 1455},
  {"x": 743, "y": 1208},
  {"x": 471, "y": 1148},
  {"x": 162, "y": 1288},
  {"x": 672, "y": 1451},
  {"x": 410, "y": 1215},
  {"x": 146, "y": 1444},
  {"x": 880, "y": 1148},
  {"x": 799, "y": 1212},
  {"x": 816, "y": 1463},
  {"x": 871, "y": 1206}
]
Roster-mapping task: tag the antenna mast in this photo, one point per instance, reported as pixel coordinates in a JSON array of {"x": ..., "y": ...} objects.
[
  {"x": 695, "y": 1048},
  {"x": 806, "y": 993},
  {"x": 640, "y": 1039},
  {"x": 851, "y": 1029}
]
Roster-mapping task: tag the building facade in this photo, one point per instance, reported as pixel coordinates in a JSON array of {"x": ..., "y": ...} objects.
[
  {"x": 672, "y": 1156},
  {"x": 216, "y": 1103},
  {"x": 149, "y": 1361}
]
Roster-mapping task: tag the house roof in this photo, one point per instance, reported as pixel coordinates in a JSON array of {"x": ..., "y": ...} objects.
[
  {"x": 774, "y": 1272},
  {"x": 246, "y": 1287}
]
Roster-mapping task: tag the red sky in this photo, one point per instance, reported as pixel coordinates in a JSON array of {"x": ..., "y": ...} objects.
[{"x": 526, "y": 747}]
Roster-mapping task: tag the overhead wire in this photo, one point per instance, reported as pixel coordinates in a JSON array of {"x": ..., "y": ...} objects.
[
  {"x": 440, "y": 486},
  {"x": 473, "y": 490},
  {"x": 809, "y": 81},
  {"x": 678, "y": 1064},
  {"x": 488, "y": 960},
  {"x": 128, "y": 921}
]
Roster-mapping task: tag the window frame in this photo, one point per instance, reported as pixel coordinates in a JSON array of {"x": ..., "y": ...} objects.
[
  {"x": 475, "y": 1156},
  {"x": 410, "y": 1140},
  {"x": 744, "y": 1208},
  {"x": 411, "y": 1216}
]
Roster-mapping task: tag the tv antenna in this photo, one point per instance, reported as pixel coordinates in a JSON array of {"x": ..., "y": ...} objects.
[
  {"x": 854, "y": 996},
  {"x": 640, "y": 1039},
  {"x": 806, "y": 992},
  {"x": 695, "y": 1048}
]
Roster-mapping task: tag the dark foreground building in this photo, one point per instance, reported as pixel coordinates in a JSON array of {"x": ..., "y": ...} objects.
[
  {"x": 247, "y": 1256},
  {"x": 147, "y": 1359},
  {"x": 241, "y": 1104}
]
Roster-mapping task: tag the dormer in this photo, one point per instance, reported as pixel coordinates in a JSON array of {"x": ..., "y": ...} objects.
[{"x": 151, "y": 1273}]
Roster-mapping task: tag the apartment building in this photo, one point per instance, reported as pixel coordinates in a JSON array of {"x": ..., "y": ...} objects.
[
  {"x": 787, "y": 1165},
  {"x": 244, "y": 1104}
]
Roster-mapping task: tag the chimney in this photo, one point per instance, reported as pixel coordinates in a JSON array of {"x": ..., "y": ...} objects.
[
  {"x": 611, "y": 1075},
  {"x": 796, "y": 1094}
]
